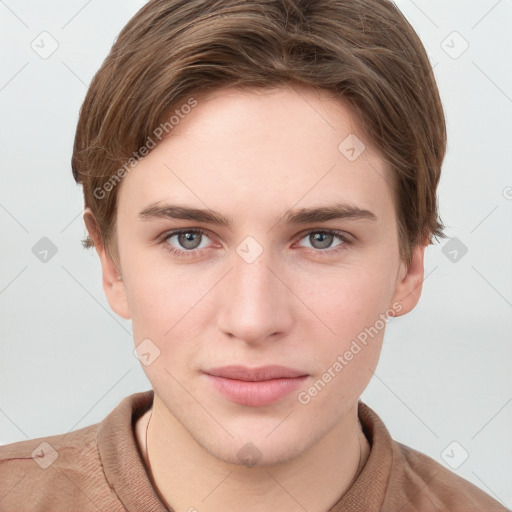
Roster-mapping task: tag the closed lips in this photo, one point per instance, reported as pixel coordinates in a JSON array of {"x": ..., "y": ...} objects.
[{"x": 248, "y": 374}]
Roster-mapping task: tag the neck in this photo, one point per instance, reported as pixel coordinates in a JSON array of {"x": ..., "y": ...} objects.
[{"x": 313, "y": 481}]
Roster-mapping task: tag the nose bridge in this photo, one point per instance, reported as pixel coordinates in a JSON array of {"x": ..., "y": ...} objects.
[
  {"x": 255, "y": 303},
  {"x": 253, "y": 280},
  {"x": 253, "y": 284}
]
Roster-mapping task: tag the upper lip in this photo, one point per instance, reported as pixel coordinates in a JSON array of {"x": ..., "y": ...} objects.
[{"x": 255, "y": 374}]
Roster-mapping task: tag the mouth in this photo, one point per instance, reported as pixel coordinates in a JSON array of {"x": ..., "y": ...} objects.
[{"x": 255, "y": 387}]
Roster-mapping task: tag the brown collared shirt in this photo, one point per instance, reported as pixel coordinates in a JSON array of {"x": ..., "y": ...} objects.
[{"x": 100, "y": 468}]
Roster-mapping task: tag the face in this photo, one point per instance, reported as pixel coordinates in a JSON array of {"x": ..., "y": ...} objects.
[{"x": 273, "y": 284}]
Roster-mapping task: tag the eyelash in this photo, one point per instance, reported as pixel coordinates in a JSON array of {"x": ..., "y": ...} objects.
[{"x": 189, "y": 254}]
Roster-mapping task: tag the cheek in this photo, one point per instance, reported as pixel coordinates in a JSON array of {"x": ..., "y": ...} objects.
[
  {"x": 349, "y": 299},
  {"x": 353, "y": 306},
  {"x": 155, "y": 288},
  {"x": 348, "y": 353},
  {"x": 166, "y": 303}
]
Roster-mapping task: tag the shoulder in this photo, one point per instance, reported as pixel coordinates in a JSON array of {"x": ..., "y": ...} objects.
[
  {"x": 400, "y": 478},
  {"x": 54, "y": 471},
  {"x": 428, "y": 485}
]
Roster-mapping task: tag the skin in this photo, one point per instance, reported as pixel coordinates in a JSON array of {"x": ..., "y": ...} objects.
[{"x": 252, "y": 155}]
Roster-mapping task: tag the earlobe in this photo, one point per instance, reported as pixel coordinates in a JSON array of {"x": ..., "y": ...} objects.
[
  {"x": 410, "y": 282},
  {"x": 113, "y": 284}
]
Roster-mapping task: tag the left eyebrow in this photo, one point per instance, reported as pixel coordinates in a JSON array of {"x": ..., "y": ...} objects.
[
  {"x": 300, "y": 216},
  {"x": 329, "y": 212}
]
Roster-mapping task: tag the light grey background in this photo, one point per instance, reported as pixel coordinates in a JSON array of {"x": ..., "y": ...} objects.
[{"x": 66, "y": 359}]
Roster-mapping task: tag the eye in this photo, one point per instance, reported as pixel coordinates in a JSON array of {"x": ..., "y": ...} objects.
[
  {"x": 322, "y": 240},
  {"x": 187, "y": 240}
]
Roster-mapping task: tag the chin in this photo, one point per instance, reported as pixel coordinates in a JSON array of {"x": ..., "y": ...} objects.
[
  {"x": 257, "y": 449},
  {"x": 251, "y": 455}
]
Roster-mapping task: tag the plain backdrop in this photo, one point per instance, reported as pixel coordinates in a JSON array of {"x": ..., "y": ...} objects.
[{"x": 443, "y": 384}]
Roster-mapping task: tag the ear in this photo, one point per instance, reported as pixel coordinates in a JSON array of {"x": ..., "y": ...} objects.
[
  {"x": 113, "y": 284},
  {"x": 410, "y": 282}
]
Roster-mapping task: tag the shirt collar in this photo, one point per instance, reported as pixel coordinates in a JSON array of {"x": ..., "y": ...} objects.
[{"x": 126, "y": 473}]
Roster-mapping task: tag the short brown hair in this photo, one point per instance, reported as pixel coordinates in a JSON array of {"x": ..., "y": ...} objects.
[{"x": 363, "y": 51}]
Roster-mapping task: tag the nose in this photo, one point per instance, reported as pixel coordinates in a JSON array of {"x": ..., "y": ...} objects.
[{"x": 256, "y": 304}]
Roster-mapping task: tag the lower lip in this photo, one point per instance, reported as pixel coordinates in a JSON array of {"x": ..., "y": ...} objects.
[{"x": 256, "y": 394}]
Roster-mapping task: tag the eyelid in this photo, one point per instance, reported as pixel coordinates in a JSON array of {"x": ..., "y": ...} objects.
[
  {"x": 338, "y": 232},
  {"x": 346, "y": 240},
  {"x": 168, "y": 234},
  {"x": 300, "y": 235}
]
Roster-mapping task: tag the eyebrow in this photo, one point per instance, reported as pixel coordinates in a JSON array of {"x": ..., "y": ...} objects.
[{"x": 299, "y": 216}]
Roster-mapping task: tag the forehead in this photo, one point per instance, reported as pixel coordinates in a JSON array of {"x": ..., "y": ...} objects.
[{"x": 245, "y": 151}]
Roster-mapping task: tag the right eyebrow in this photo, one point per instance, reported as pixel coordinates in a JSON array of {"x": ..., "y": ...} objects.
[{"x": 168, "y": 211}]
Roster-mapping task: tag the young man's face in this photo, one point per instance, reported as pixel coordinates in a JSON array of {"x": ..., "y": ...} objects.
[{"x": 261, "y": 291}]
